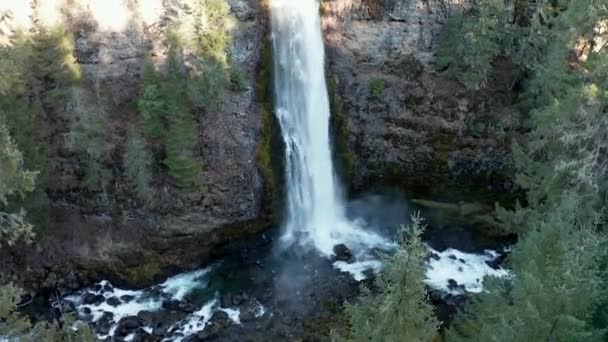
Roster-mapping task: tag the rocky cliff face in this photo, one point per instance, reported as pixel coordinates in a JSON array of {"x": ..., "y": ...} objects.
[
  {"x": 406, "y": 124},
  {"x": 397, "y": 122},
  {"x": 106, "y": 233}
]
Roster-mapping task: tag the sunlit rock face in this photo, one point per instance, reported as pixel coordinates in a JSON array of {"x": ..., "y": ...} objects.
[
  {"x": 111, "y": 43},
  {"x": 109, "y": 15}
]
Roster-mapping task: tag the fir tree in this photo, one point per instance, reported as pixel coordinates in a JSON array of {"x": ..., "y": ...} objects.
[
  {"x": 14, "y": 327},
  {"x": 400, "y": 311},
  {"x": 14, "y": 180},
  {"x": 180, "y": 143},
  {"x": 556, "y": 287},
  {"x": 87, "y": 136},
  {"x": 152, "y": 104},
  {"x": 472, "y": 40},
  {"x": 559, "y": 264},
  {"x": 138, "y": 163}
]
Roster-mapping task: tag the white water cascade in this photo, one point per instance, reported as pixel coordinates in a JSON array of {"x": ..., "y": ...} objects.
[{"x": 315, "y": 207}]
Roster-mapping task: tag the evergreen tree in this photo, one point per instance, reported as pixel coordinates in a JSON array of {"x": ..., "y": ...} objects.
[
  {"x": 14, "y": 327},
  {"x": 400, "y": 311},
  {"x": 182, "y": 135},
  {"x": 14, "y": 180},
  {"x": 137, "y": 163},
  {"x": 559, "y": 264},
  {"x": 472, "y": 40},
  {"x": 180, "y": 143},
  {"x": 87, "y": 136},
  {"x": 152, "y": 104},
  {"x": 38, "y": 71},
  {"x": 556, "y": 287}
]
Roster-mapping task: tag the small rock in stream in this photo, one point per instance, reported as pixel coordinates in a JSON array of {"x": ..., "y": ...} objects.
[
  {"x": 342, "y": 253},
  {"x": 454, "y": 286},
  {"x": 113, "y": 301},
  {"x": 127, "y": 325},
  {"x": 93, "y": 299}
]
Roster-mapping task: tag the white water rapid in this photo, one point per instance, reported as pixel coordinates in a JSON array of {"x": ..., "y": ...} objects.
[{"x": 315, "y": 208}]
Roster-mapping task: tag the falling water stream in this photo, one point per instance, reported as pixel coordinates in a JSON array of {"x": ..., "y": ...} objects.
[{"x": 315, "y": 206}]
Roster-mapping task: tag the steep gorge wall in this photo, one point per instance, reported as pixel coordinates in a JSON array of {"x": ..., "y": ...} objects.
[
  {"x": 92, "y": 234},
  {"x": 399, "y": 123},
  {"x": 407, "y": 125}
]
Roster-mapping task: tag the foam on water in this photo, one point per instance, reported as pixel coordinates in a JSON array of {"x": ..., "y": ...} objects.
[
  {"x": 182, "y": 284},
  {"x": 129, "y": 303},
  {"x": 192, "y": 324},
  {"x": 260, "y": 310},
  {"x": 233, "y": 314},
  {"x": 358, "y": 269},
  {"x": 466, "y": 269}
]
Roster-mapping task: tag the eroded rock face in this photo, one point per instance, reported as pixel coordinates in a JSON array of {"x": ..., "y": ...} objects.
[
  {"x": 408, "y": 125},
  {"x": 107, "y": 233}
]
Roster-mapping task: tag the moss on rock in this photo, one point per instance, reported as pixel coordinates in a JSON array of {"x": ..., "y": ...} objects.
[
  {"x": 270, "y": 146},
  {"x": 342, "y": 153}
]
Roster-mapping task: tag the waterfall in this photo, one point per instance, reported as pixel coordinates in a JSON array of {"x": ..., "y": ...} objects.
[{"x": 315, "y": 213}]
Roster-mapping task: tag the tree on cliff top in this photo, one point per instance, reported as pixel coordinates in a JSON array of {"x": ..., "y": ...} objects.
[{"x": 400, "y": 310}]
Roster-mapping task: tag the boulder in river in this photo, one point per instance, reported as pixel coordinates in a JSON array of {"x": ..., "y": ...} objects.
[
  {"x": 93, "y": 299},
  {"x": 143, "y": 336},
  {"x": 127, "y": 325},
  {"x": 342, "y": 253},
  {"x": 454, "y": 286},
  {"x": 113, "y": 301}
]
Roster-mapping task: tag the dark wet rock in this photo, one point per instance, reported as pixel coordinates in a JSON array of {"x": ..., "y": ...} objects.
[
  {"x": 452, "y": 256},
  {"x": 86, "y": 311},
  {"x": 127, "y": 298},
  {"x": 497, "y": 262},
  {"x": 107, "y": 288},
  {"x": 187, "y": 307},
  {"x": 433, "y": 256},
  {"x": 454, "y": 286},
  {"x": 462, "y": 261},
  {"x": 159, "y": 321},
  {"x": 171, "y": 305},
  {"x": 230, "y": 299},
  {"x": 342, "y": 253},
  {"x": 104, "y": 324},
  {"x": 205, "y": 335},
  {"x": 113, "y": 301},
  {"x": 436, "y": 296},
  {"x": 93, "y": 299},
  {"x": 127, "y": 325},
  {"x": 143, "y": 336},
  {"x": 220, "y": 317},
  {"x": 249, "y": 310},
  {"x": 226, "y": 300}
]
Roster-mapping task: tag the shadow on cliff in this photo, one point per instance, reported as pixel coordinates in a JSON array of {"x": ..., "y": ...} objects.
[{"x": 399, "y": 123}]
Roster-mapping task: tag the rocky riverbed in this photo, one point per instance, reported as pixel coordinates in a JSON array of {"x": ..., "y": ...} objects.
[{"x": 265, "y": 292}]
